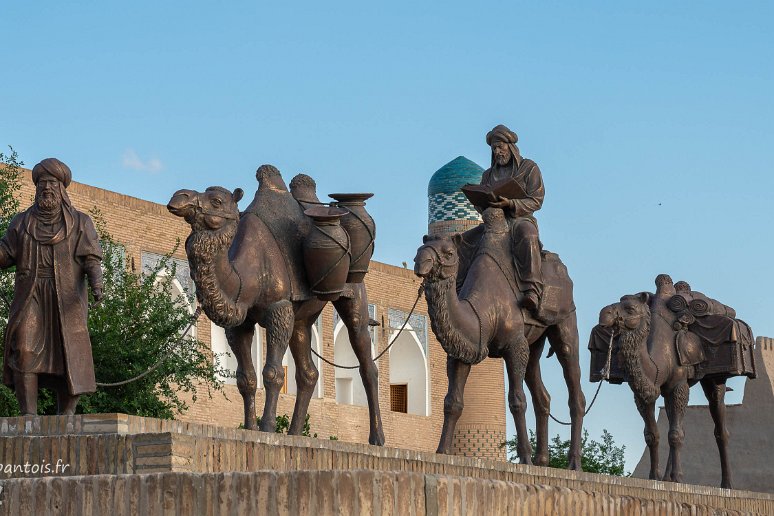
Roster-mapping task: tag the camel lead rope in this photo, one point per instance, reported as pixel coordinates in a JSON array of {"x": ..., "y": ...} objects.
[
  {"x": 605, "y": 376},
  {"x": 155, "y": 366},
  {"x": 419, "y": 295}
]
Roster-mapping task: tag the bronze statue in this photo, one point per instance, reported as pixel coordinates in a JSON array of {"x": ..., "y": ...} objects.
[
  {"x": 474, "y": 301},
  {"x": 54, "y": 248},
  {"x": 250, "y": 269},
  {"x": 508, "y": 164},
  {"x": 667, "y": 342}
]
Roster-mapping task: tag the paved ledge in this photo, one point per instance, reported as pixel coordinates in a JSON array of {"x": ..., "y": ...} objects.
[
  {"x": 324, "y": 493},
  {"x": 117, "y": 444}
]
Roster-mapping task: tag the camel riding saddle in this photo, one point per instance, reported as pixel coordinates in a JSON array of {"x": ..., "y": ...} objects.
[{"x": 556, "y": 302}]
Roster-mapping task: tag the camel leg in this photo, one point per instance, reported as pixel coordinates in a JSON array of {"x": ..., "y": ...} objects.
[
  {"x": 563, "y": 338},
  {"x": 306, "y": 373},
  {"x": 354, "y": 313},
  {"x": 676, "y": 402},
  {"x": 541, "y": 400},
  {"x": 516, "y": 359},
  {"x": 648, "y": 412},
  {"x": 278, "y": 321},
  {"x": 715, "y": 391},
  {"x": 240, "y": 340},
  {"x": 457, "y": 373}
]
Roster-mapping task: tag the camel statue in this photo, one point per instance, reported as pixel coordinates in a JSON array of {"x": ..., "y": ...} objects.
[
  {"x": 244, "y": 277},
  {"x": 483, "y": 317},
  {"x": 653, "y": 353}
]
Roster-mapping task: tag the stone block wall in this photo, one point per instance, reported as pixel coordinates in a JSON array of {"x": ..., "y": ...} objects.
[{"x": 325, "y": 493}]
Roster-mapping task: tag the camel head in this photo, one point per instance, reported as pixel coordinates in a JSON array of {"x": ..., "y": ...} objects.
[
  {"x": 632, "y": 312},
  {"x": 209, "y": 210},
  {"x": 436, "y": 259}
]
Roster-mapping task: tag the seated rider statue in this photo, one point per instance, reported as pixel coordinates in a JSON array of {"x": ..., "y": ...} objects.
[{"x": 525, "y": 241}]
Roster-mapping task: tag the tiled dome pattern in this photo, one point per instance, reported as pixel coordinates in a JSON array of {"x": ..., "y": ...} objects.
[
  {"x": 454, "y": 206},
  {"x": 445, "y": 201}
]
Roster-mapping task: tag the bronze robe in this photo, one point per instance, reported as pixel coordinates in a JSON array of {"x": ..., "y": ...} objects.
[
  {"x": 528, "y": 175},
  {"x": 525, "y": 240},
  {"x": 75, "y": 254}
]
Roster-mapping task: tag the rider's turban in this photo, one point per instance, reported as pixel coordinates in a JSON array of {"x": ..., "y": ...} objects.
[
  {"x": 501, "y": 134},
  {"x": 54, "y": 168}
]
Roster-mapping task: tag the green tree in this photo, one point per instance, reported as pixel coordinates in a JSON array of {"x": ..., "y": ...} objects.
[
  {"x": 596, "y": 456},
  {"x": 137, "y": 327}
]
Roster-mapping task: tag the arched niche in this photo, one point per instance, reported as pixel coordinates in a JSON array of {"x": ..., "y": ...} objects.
[
  {"x": 349, "y": 386},
  {"x": 408, "y": 367}
]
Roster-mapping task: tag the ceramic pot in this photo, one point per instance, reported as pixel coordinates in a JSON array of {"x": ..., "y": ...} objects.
[
  {"x": 361, "y": 229},
  {"x": 326, "y": 252}
]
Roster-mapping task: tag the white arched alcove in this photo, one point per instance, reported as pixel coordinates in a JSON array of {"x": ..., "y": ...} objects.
[
  {"x": 179, "y": 295},
  {"x": 223, "y": 356},
  {"x": 290, "y": 372},
  {"x": 317, "y": 346},
  {"x": 349, "y": 386},
  {"x": 290, "y": 363},
  {"x": 408, "y": 366}
]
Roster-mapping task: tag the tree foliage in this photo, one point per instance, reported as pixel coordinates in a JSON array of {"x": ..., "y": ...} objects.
[
  {"x": 139, "y": 323},
  {"x": 596, "y": 456},
  {"x": 282, "y": 425}
]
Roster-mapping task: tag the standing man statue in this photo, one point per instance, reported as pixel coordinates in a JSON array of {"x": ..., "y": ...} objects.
[
  {"x": 525, "y": 241},
  {"x": 54, "y": 248}
]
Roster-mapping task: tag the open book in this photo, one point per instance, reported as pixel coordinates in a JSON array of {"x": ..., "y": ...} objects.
[{"x": 482, "y": 195}]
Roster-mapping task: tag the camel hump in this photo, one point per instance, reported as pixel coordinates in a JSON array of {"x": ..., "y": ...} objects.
[{"x": 285, "y": 218}]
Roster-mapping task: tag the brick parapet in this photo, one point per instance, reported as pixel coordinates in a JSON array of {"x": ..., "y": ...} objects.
[
  {"x": 123, "y": 446},
  {"x": 357, "y": 491}
]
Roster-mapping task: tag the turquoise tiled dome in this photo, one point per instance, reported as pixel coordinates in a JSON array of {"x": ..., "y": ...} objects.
[
  {"x": 451, "y": 177},
  {"x": 445, "y": 200}
]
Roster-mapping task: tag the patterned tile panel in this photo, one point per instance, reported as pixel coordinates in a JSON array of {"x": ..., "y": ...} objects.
[
  {"x": 454, "y": 206},
  {"x": 371, "y": 329},
  {"x": 417, "y": 322}
]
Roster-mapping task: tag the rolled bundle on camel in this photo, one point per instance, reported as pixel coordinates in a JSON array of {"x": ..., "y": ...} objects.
[{"x": 699, "y": 305}]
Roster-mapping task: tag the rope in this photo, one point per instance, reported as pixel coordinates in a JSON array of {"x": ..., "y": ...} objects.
[
  {"x": 155, "y": 366},
  {"x": 419, "y": 295},
  {"x": 606, "y": 376}
]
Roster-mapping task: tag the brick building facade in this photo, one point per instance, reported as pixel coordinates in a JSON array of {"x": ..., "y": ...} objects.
[{"x": 148, "y": 230}]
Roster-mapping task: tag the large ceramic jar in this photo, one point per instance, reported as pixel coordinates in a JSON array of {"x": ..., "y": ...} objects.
[
  {"x": 361, "y": 229},
  {"x": 326, "y": 252}
]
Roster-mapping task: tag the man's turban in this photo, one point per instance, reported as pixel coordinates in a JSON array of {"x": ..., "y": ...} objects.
[
  {"x": 54, "y": 168},
  {"x": 501, "y": 134}
]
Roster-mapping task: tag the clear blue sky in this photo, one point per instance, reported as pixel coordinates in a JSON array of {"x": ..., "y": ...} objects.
[{"x": 651, "y": 122}]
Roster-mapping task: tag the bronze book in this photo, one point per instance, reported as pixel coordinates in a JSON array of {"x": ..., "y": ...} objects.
[{"x": 482, "y": 195}]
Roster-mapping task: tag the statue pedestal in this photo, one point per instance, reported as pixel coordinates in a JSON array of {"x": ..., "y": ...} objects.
[{"x": 143, "y": 465}]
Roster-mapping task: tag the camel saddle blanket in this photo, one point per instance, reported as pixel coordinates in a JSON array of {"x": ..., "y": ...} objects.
[
  {"x": 698, "y": 343},
  {"x": 556, "y": 301}
]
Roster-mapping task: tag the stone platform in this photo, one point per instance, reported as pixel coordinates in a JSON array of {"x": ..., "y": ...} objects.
[{"x": 115, "y": 462}]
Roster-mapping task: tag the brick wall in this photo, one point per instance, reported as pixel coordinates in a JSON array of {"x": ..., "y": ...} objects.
[
  {"x": 145, "y": 226},
  {"x": 338, "y": 493},
  {"x": 129, "y": 464}
]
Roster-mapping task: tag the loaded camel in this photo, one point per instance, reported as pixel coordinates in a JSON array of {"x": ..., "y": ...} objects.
[
  {"x": 482, "y": 317},
  {"x": 647, "y": 331},
  {"x": 242, "y": 279}
]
